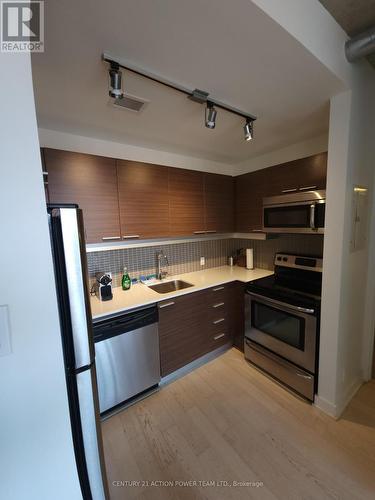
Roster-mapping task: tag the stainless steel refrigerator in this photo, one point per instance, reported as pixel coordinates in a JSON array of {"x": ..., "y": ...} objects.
[{"x": 68, "y": 249}]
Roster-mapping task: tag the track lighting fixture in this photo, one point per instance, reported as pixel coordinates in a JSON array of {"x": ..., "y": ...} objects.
[
  {"x": 210, "y": 115},
  {"x": 248, "y": 130},
  {"x": 196, "y": 95},
  {"x": 115, "y": 77}
]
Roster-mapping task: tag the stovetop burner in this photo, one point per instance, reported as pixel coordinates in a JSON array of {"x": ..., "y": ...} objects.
[{"x": 297, "y": 281}]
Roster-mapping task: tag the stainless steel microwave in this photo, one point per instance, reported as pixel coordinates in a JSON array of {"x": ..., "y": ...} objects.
[{"x": 302, "y": 212}]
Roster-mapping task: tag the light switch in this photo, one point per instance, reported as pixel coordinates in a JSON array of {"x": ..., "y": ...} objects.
[{"x": 5, "y": 345}]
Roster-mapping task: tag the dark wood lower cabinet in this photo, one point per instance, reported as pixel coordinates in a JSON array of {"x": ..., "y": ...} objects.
[
  {"x": 199, "y": 322},
  {"x": 181, "y": 333},
  {"x": 237, "y": 314}
]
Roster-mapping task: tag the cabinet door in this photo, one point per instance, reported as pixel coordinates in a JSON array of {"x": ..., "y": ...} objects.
[
  {"x": 186, "y": 201},
  {"x": 219, "y": 203},
  {"x": 182, "y": 335},
  {"x": 250, "y": 190},
  {"x": 91, "y": 182},
  {"x": 298, "y": 175},
  {"x": 143, "y": 198},
  {"x": 237, "y": 314}
]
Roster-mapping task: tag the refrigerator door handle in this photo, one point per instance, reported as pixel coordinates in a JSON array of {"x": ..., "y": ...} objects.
[{"x": 80, "y": 315}]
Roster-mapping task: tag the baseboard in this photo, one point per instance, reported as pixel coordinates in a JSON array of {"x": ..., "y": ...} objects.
[
  {"x": 336, "y": 410},
  {"x": 194, "y": 364},
  {"x": 326, "y": 406}
]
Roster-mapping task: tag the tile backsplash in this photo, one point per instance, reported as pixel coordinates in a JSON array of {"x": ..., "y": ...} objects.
[{"x": 185, "y": 257}]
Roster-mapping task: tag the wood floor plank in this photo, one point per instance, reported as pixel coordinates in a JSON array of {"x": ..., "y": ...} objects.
[{"x": 227, "y": 421}]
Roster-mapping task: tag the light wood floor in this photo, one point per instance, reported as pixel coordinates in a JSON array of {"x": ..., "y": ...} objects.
[{"x": 227, "y": 422}]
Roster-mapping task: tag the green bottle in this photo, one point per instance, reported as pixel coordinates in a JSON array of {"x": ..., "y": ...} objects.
[{"x": 126, "y": 281}]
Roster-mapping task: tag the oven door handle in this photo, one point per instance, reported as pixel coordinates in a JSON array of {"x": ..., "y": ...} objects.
[{"x": 283, "y": 304}]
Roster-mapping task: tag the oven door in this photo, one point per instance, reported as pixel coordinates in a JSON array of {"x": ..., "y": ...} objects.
[
  {"x": 284, "y": 329},
  {"x": 306, "y": 217}
]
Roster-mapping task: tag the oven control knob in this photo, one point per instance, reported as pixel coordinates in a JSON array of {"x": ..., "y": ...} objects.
[
  {"x": 285, "y": 259},
  {"x": 278, "y": 258}
]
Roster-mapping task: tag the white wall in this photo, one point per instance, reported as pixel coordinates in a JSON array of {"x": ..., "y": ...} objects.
[
  {"x": 347, "y": 280},
  {"x": 36, "y": 453},
  {"x": 289, "y": 153},
  {"x": 81, "y": 144}
]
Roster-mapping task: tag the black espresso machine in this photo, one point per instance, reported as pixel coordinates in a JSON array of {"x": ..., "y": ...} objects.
[{"x": 102, "y": 287}]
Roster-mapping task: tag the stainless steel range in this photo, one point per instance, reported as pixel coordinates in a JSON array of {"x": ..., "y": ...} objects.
[{"x": 282, "y": 322}]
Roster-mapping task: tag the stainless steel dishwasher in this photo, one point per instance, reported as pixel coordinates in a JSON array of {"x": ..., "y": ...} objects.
[{"x": 127, "y": 356}]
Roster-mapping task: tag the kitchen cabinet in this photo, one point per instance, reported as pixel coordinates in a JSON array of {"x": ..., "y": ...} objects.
[
  {"x": 298, "y": 175},
  {"x": 143, "y": 200},
  {"x": 219, "y": 203},
  {"x": 181, "y": 334},
  {"x": 91, "y": 182},
  {"x": 237, "y": 314},
  {"x": 199, "y": 322},
  {"x": 250, "y": 189},
  {"x": 186, "y": 202}
]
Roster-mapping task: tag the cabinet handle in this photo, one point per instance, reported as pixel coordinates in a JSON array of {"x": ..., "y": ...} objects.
[
  {"x": 45, "y": 172},
  {"x": 256, "y": 230},
  {"x": 218, "y": 304},
  {"x": 130, "y": 237},
  {"x": 308, "y": 377},
  {"x": 218, "y": 321},
  {"x": 293, "y": 190},
  {"x": 107, "y": 238},
  {"x": 166, "y": 305},
  {"x": 307, "y": 188},
  {"x": 199, "y": 232},
  {"x": 211, "y": 231},
  {"x": 220, "y": 336},
  {"x": 218, "y": 288}
]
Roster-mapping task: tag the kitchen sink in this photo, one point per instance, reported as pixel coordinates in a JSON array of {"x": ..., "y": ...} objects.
[{"x": 170, "y": 286}]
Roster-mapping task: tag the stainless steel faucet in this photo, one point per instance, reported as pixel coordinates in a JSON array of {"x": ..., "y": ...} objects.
[{"x": 161, "y": 257}]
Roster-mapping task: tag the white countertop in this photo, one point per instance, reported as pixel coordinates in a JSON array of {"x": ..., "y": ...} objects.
[{"x": 140, "y": 295}]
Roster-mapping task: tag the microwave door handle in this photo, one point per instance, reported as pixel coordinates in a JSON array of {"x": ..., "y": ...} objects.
[{"x": 312, "y": 216}]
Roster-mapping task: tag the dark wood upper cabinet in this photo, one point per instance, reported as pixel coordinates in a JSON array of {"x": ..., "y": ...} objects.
[
  {"x": 249, "y": 191},
  {"x": 186, "y": 202},
  {"x": 219, "y": 203},
  {"x": 143, "y": 198},
  {"x": 91, "y": 182},
  {"x": 303, "y": 174}
]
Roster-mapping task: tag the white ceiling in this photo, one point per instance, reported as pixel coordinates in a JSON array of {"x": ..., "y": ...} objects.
[{"x": 230, "y": 49}]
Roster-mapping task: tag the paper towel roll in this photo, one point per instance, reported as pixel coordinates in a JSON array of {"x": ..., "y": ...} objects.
[{"x": 249, "y": 258}]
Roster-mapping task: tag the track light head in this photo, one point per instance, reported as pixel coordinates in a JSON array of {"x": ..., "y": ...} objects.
[
  {"x": 210, "y": 115},
  {"x": 115, "y": 79},
  {"x": 248, "y": 130}
]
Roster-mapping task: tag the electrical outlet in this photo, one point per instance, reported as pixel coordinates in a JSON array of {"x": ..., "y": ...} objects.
[
  {"x": 203, "y": 261},
  {"x": 5, "y": 346}
]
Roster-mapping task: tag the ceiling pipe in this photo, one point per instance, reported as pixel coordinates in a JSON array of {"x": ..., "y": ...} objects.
[{"x": 361, "y": 45}]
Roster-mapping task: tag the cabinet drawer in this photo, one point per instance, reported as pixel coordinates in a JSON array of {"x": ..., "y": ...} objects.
[
  {"x": 218, "y": 320},
  {"x": 217, "y": 295},
  {"x": 219, "y": 337}
]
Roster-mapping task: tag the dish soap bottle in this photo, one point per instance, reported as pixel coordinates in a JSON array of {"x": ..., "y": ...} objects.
[{"x": 126, "y": 281}]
